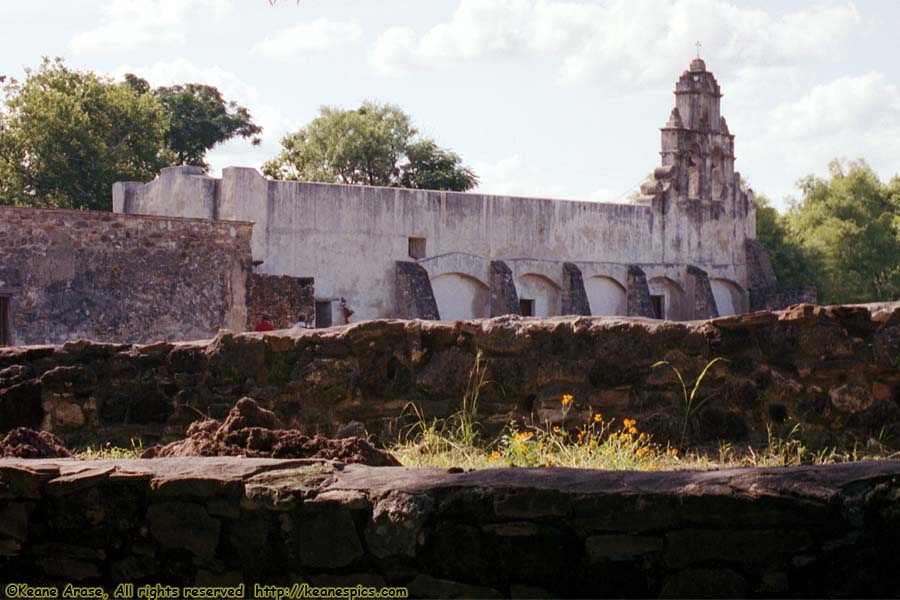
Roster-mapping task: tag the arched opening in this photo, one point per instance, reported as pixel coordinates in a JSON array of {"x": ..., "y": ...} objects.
[
  {"x": 459, "y": 296},
  {"x": 669, "y": 296},
  {"x": 729, "y": 297},
  {"x": 543, "y": 293},
  {"x": 606, "y": 296}
]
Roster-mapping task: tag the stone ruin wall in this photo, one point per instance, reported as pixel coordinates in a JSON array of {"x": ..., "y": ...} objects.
[
  {"x": 809, "y": 532},
  {"x": 124, "y": 278},
  {"x": 832, "y": 370},
  {"x": 285, "y": 300}
]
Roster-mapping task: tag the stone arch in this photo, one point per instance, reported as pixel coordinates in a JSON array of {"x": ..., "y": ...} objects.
[
  {"x": 606, "y": 296},
  {"x": 460, "y": 296},
  {"x": 730, "y": 297},
  {"x": 545, "y": 293},
  {"x": 672, "y": 297}
]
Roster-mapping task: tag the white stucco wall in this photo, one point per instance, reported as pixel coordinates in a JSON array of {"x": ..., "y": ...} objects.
[
  {"x": 544, "y": 292},
  {"x": 605, "y": 295},
  {"x": 349, "y": 237},
  {"x": 460, "y": 296}
]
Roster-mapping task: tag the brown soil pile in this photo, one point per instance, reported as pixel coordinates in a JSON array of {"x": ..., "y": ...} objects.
[
  {"x": 252, "y": 431},
  {"x": 28, "y": 443}
]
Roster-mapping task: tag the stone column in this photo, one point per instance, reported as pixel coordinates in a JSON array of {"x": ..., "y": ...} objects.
[
  {"x": 703, "y": 299},
  {"x": 637, "y": 294},
  {"x": 414, "y": 296},
  {"x": 574, "y": 296},
  {"x": 504, "y": 298}
]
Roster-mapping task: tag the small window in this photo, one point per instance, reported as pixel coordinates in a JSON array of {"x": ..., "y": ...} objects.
[
  {"x": 526, "y": 307},
  {"x": 323, "y": 313},
  {"x": 5, "y": 335},
  {"x": 417, "y": 247},
  {"x": 659, "y": 305}
]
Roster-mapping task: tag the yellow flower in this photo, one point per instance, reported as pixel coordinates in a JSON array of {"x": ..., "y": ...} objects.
[
  {"x": 598, "y": 417},
  {"x": 524, "y": 436},
  {"x": 521, "y": 447},
  {"x": 556, "y": 428},
  {"x": 540, "y": 444},
  {"x": 632, "y": 430},
  {"x": 593, "y": 442},
  {"x": 566, "y": 399},
  {"x": 629, "y": 423},
  {"x": 673, "y": 451},
  {"x": 494, "y": 456},
  {"x": 581, "y": 434},
  {"x": 643, "y": 436}
]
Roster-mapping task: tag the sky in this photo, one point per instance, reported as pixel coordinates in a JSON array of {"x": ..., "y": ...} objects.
[{"x": 545, "y": 98}]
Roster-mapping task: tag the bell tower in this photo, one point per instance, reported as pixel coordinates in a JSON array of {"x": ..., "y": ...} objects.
[{"x": 697, "y": 147}]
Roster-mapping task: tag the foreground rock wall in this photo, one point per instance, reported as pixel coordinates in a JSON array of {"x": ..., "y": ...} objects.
[
  {"x": 833, "y": 370},
  {"x": 527, "y": 533}
]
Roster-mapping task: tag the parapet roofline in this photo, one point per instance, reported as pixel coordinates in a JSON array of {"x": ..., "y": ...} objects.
[{"x": 356, "y": 186}]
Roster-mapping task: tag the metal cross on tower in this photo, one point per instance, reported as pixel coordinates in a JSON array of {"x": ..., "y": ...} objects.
[{"x": 698, "y": 48}]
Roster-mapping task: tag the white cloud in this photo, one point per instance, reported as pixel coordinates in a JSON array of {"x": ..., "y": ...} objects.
[
  {"x": 849, "y": 117},
  {"x": 238, "y": 152},
  {"x": 159, "y": 23},
  {"x": 630, "y": 42},
  {"x": 320, "y": 34},
  {"x": 863, "y": 104},
  {"x": 510, "y": 176}
]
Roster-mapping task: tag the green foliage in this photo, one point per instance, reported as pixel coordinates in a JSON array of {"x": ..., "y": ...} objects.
[
  {"x": 848, "y": 226},
  {"x": 793, "y": 264},
  {"x": 691, "y": 403},
  {"x": 200, "y": 118},
  {"x": 375, "y": 144},
  {"x": 431, "y": 167},
  {"x": 66, "y": 136},
  {"x": 109, "y": 452}
]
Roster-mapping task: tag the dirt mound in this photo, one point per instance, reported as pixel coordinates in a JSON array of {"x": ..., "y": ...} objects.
[
  {"x": 28, "y": 443},
  {"x": 250, "y": 430}
]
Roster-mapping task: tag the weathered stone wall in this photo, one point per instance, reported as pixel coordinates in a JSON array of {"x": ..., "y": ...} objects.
[
  {"x": 74, "y": 274},
  {"x": 522, "y": 533},
  {"x": 283, "y": 299},
  {"x": 309, "y": 230},
  {"x": 832, "y": 370}
]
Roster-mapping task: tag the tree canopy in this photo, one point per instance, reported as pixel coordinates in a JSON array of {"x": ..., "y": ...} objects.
[
  {"x": 842, "y": 235},
  {"x": 375, "y": 144},
  {"x": 66, "y": 136},
  {"x": 200, "y": 118}
]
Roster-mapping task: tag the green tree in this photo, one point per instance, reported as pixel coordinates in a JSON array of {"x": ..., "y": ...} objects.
[
  {"x": 375, "y": 144},
  {"x": 793, "y": 264},
  {"x": 430, "y": 167},
  {"x": 200, "y": 118},
  {"x": 66, "y": 136},
  {"x": 849, "y": 224}
]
